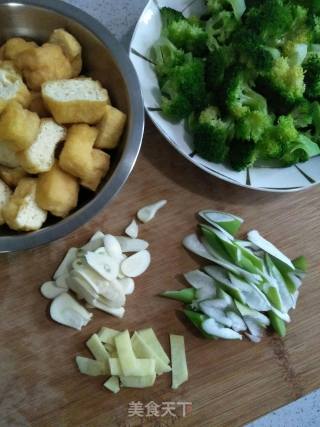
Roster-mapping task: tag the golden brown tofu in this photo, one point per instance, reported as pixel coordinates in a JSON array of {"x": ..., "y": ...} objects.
[
  {"x": 76, "y": 65},
  {"x": 12, "y": 87},
  {"x": 12, "y": 176},
  {"x": 41, "y": 64},
  {"x": 5, "y": 194},
  {"x": 80, "y": 100},
  {"x": 22, "y": 213},
  {"x": 70, "y": 47},
  {"x": 37, "y": 105},
  {"x": 15, "y": 46},
  {"x": 100, "y": 167},
  {"x": 69, "y": 44},
  {"x": 57, "y": 191},
  {"x": 110, "y": 128},
  {"x": 75, "y": 157},
  {"x": 18, "y": 127}
]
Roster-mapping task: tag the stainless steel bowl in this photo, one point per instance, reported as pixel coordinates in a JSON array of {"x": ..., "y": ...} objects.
[{"x": 105, "y": 60}]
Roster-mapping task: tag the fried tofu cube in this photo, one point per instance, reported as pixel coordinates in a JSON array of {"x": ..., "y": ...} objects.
[
  {"x": 5, "y": 194},
  {"x": 100, "y": 167},
  {"x": 57, "y": 191},
  {"x": 110, "y": 128},
  {"x": 39, "y": 157},
  {"x": 37, "y": 105},
  {"x": 18, "y": 127},
  {"x": 75, "y": 157},
  {"x": 12, "y": 176},
  {"x": 12, "y": 87},
  {"x": 15, "y": 46},
  {"x": 72, "y": 101},
  {"x": 41, "y": 64},
  {"x": 8, "y": 157},
  {"x": 70, "y": 47},
  {"x": 22, "y": 213}
]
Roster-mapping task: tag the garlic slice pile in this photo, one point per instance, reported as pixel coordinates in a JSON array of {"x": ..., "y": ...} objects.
[{"x": 100, "y": 274}]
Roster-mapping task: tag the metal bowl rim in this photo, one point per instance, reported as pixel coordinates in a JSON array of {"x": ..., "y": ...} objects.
[{"x": 135, "y": 131}]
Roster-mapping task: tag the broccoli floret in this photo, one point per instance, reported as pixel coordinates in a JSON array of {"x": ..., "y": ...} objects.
[
  {"x": 252, "y": 50},
  {"x": 241, "y": 98},
  {"x": 242, "y": 155},
  {"x": 237, "y": 6},
  {"x": 300, "y": 151},
  {"x": 216, "y": 65},
  {"x": 302, "y": 114},
  {"x": 274, "y": 142},
  {"x": 211, "y": 135},
  {"x": 220, "y": 28},
  {"x": 316, "y": 121},
  {"x": 169, "y": 15},
  {"x": 312, "y": 76},
  {"x": 271, "y": 20},
  {"x": 252, "y": 125},
  {"x": 165, "y": 57},
  {"x": 295, "y": 52},
  {"x": 188, "y": 36},
  {"x": 286, "y": 81},
  {"x": 314, "y": 25},
  {"x": 176, "y": 107},
  {"x": 184, "y": 84}
]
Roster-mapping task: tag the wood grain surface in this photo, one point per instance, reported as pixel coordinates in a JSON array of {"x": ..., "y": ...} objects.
[{"x": 230, "y": 383}]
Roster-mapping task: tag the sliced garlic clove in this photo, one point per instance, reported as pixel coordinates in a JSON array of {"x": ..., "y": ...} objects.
[
  {"x": 66, "y": 310},
  {"x": 95, "y": 242},
  {"x": 66, "y": 263},
  {"x": 94, "y": 286},
  {"x": 49, "y": 290},
  {"x": 136, "y": 264},
  {"x": 127, "y": 285},
  {"x": 132, "y": 245},
  {"x": 147, "y": 213},
  {"x": 61, "y": 281},
  {"x": 103, "y": 264},
  {"x": 112, "y": 247},
  {"x": 132, "y": 230},
  {"x": 117, "y": 312}
]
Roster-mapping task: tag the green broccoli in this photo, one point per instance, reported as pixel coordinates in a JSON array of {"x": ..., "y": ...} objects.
[
  {"x": 314, "y": 25},
  {"x": 300, "y": 151},
  {"x": 302, "y": 114},
  {"x": 253, "y": 51},
  {"x": 312, "y": 76},
  {"x": 218, "y": 61},
  {"x": 276, "y": 139},
  {"x": 316, "y": 122},
  {"x": 241, "y": 98},
  {"x": 165, "y": 57},
  {"x": 184, "y": 90},
  {"x": 169, "y": 15},
  {"x": 242, "y": 155},
  {"x": 220, "y": 28},
  {"x": 295, "y": 52},
  {"x": 188, "y": 36},
  {"x": 211, "y": 135},
  {"x": 252, "y": 125},
  {"x": 284, "y": 83},
  {"x": 237, "y": 6},
  {"x": 271, "y": 20}
]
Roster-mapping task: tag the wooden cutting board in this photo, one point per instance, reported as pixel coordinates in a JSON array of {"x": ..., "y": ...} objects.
[{"x": 230, "y": 383}]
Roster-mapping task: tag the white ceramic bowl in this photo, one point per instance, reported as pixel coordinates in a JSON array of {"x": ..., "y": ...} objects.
[{"x": 147, "y": 32}]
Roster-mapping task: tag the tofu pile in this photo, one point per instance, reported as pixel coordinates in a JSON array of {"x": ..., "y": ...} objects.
[{"x": 55, "y": 128}]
